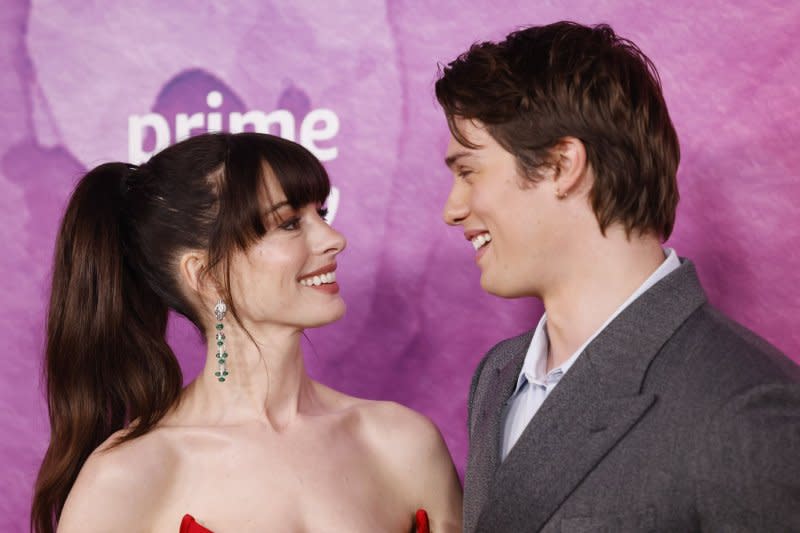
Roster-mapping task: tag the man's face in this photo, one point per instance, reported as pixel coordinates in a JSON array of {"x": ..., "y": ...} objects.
[{"x": 511, "y": 222}]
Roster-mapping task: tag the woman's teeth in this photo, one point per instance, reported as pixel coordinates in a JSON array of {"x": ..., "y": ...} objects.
[
  {"x": 316, "y": 281},
  {"x": 479, "y": 241}
]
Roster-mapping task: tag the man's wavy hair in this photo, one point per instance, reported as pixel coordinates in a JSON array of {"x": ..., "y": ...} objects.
[{"x": 544, "y": 83}]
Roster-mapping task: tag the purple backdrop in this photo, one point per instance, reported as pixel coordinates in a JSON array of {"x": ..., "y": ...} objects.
[{"x": 82, "y": 85}]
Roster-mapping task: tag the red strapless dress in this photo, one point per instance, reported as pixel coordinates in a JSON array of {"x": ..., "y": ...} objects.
[{"x": 190, "y": 525}]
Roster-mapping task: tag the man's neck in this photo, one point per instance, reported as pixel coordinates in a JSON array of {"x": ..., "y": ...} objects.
[{"x": 592, "y": 289}]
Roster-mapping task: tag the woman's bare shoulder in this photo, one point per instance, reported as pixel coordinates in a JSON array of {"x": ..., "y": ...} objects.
[
  {"x": 386, "y": 422},
  {"x": 413, "y": 450},
  {"x": 396, "y": 421},
  {"x": 400, "y": 436},
  {"x": 405, "y": 441},
  {"x": 119, "y": 484}
]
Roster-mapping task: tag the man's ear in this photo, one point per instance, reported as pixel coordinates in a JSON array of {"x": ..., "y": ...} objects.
[
  {"x": 193, "y": 273},
  {"x": 570, "y": 161}
]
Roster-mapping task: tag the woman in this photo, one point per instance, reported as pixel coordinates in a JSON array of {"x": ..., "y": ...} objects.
[{"x": 227, "y": 230}]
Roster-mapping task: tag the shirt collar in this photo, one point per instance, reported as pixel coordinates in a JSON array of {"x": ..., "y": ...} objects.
[{"x": 534, "y": 368}]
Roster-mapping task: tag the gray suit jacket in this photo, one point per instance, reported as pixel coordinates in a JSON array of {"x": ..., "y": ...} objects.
[{"x": 674, "y": 418}]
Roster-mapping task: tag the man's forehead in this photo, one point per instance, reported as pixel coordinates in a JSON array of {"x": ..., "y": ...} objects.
[
  {"x": 473, "y": 133},
  {"x": 458, "y": 152}
]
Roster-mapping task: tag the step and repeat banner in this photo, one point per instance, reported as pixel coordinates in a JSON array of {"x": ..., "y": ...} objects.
[{"x": 87, "y": 82}]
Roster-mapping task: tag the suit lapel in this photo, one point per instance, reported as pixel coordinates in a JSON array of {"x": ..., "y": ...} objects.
[
  {"x": 575, "y": 427},
  {"x": 596, "y": 403},
  {"x": 484, "y": 455}
]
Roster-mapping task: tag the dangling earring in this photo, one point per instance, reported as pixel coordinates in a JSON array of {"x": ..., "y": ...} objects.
[{"x": 222, "y": 356}]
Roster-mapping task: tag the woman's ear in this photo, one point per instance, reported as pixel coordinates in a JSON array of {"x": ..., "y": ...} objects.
[{"x": 193, "y": 273}]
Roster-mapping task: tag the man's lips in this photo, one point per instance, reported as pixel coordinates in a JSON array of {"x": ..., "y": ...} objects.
[
  {"x": 479, "y": 238},
  {"x": 472, "y": 233}
]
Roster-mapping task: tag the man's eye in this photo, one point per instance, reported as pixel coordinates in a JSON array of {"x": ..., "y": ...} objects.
[{"x": 463, "y": 174}]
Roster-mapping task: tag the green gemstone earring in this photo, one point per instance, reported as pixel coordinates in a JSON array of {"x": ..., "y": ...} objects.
[{"x": 222, "y": 356}]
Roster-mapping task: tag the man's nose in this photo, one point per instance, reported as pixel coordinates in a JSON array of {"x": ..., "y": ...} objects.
[{"x": 456, "y": 208}]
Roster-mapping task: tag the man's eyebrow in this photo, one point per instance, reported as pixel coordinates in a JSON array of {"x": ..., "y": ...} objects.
[
  {"x": 275, "y": 207},
  {"x": 451, "y": 159}
]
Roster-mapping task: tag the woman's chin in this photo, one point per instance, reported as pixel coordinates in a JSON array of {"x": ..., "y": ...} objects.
[{"x": 328, "y": 315}]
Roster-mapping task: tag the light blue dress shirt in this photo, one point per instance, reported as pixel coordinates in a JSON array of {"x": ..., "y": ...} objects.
[{"x": 535, "y": 384}]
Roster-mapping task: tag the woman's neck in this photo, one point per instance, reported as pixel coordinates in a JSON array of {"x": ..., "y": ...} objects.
[{"x": 266, "y": 382}]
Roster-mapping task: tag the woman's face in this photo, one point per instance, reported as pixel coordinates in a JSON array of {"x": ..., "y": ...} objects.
[{"x": 288, "y": 277}]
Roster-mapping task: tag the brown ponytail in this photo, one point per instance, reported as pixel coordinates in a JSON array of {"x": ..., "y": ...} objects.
[{"x": 107, "y": 361}]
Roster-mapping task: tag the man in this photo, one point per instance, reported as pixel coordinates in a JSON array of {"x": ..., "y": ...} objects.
[{"x": 634, "y": 405}]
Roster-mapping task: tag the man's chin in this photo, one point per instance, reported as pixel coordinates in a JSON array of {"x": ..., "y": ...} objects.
[{"x": 501, "y": 288}]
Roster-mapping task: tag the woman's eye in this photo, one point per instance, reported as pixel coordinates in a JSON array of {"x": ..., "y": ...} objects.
[{"x": 290, "y": 224}]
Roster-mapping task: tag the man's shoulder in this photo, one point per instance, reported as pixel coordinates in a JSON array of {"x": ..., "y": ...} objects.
[
  {"x": 747, "y": 395},
  {"x": 718, "y": 347},
  {"x": 711, "y": 362}
]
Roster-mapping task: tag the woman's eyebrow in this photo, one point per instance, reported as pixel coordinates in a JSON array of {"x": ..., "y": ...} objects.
[{"x": 275, "y": 207}]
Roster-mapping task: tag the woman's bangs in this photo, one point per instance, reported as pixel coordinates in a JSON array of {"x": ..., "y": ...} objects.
[{"x": 301, "y": 176}]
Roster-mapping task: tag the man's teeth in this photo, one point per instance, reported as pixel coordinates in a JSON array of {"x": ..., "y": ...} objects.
[
  {"x": 480, "y": 240},
  {"x": 316, "y": 281}
]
